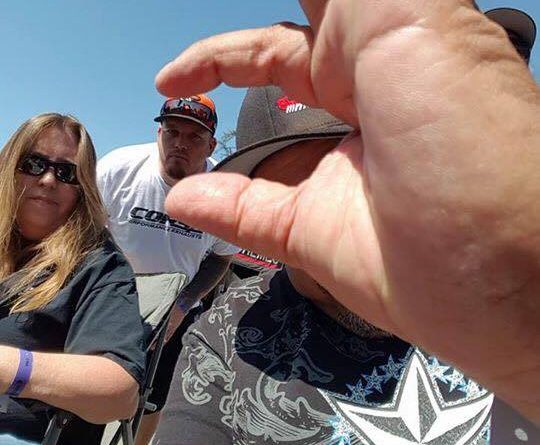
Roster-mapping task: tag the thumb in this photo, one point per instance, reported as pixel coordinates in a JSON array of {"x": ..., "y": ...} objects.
[{"x": 253, "y": 214}]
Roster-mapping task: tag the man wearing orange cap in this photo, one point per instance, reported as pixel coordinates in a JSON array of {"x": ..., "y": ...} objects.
[{"x": 134, "y": 182}]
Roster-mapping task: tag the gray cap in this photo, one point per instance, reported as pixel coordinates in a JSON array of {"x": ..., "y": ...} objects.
[
  {"x": 270, "y": 121},
  {"x": 516, "y": 21}
]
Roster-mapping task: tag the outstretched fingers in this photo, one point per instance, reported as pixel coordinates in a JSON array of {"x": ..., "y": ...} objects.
[{"x": 277, "y": 55}]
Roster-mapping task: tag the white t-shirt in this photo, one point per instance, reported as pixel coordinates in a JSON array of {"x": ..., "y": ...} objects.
[{"x": 134, "y": 195}]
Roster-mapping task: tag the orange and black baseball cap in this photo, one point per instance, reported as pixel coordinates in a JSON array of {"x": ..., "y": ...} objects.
[{"x": 198, "y": 108}]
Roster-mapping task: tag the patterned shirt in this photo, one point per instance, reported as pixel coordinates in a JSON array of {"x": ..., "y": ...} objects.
[{"x": 266, "y": 366}]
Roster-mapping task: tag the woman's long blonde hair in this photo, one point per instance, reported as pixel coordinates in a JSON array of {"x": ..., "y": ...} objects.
[{"x": 56, "y": 256}]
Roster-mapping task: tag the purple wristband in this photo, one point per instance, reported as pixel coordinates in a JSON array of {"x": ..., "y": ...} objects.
[{"x": 26, "y": 360}]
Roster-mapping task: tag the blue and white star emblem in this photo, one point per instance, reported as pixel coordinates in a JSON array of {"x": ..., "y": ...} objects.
[
  {"x": 392, "y": 370},
  {"x": 374, "y": 381},
  {"x": 416, "y": 415},
  {"x": 438, "y": 371}
]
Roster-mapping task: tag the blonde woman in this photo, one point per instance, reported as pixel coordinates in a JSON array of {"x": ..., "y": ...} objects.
[{"x": 70, "y": 332}]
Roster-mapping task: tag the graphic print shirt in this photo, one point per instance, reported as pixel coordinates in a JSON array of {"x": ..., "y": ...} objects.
[
  {"x": 265, "y": 366},
  {"x": 134, "y": 195}
]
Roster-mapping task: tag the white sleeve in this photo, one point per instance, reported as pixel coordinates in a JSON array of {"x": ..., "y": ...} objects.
[
  {"x": 103, "y": 175},
  {"x": 221, "y": 248}
]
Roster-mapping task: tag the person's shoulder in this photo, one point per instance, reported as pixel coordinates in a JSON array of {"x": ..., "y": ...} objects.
[
  {"x": 224, "y": 316},
  {"x": 257, "y": 293},
  {"x": 210, "y": 163},
  {"x": 252, "y": 300},
  {"x": 253, "y": 288},
  {"x": 106, "y": 264},
  {"x": 221, "y": 247},
  {"x": 126, "y": 157}
]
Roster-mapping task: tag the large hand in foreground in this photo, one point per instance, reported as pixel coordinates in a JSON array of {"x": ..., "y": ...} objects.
[{"x": 427, "y": 222}]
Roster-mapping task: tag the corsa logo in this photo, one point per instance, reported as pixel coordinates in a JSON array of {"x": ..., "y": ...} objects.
[
  {"x": 289, "y": 105},
  {"x": 153, "y": 216}
]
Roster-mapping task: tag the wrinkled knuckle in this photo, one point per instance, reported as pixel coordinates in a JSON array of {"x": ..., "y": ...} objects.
[
  {"x": 285, "y": 33},
  {"x": 282, "y": 44},
  {"x": 270, "y": 36}
]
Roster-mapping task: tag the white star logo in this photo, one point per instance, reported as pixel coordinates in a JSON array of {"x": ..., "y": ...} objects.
[{"x": 416, "y": 416}]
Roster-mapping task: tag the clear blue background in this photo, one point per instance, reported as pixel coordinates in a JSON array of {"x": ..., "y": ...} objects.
[{"x": 97, "y": 59}]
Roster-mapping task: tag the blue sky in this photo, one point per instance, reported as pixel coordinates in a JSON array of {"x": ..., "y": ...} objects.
[{"x": 97, "y": 59}]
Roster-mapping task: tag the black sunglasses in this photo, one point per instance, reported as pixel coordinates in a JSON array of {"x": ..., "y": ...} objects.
[
  {"x": 36, "y": 165},
  {"x": 189, "y": 108}
]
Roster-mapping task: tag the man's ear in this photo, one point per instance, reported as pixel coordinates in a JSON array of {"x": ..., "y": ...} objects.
[
  {"x": 159, "y": 130},
  {"x": 211, "y": 146}
]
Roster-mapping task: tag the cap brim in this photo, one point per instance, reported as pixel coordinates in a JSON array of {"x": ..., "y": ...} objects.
[
  {"x": 160, "y": 118},
  {"x": 515, "y": 20},
  {"x": 245, "y": 160}
]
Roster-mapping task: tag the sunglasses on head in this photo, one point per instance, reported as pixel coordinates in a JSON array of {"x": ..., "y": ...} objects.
[
  {"x": 190, "y": 108},
  {"x": 36, "y": 165}
]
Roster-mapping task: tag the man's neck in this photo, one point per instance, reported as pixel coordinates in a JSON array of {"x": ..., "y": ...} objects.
[
  {"x": 170, "y": 181},
  {"x": 320, "y": 297}
]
